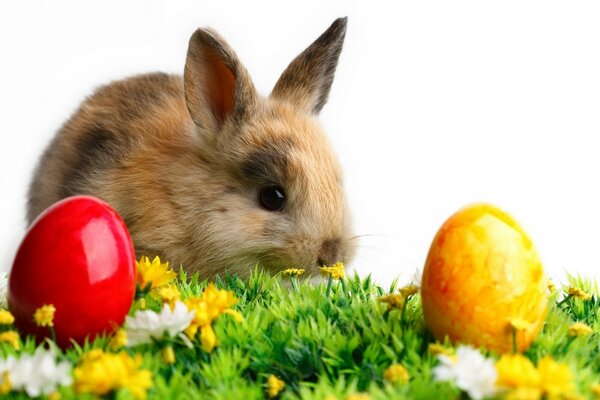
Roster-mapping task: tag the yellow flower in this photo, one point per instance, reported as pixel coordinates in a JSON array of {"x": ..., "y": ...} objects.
[
  {"x": 392, "y": 301},
  {"x": 100, "y": 373},
  {"x": 574, "y": 396},
  {"x": 208, "y": 339},
  {"x": 235, "y": 314},
  {"x": 275, "y": 386},
  {"x": 550, "y": 379},
  {"x": 595, "y": 389},
  {"x": 168, "y": 355},
  {"x": 556, "y": 379},
  {"x": 5, "y": 383},
  {"x": 217, "y": 300},
  {"x": 191, "y": 330},
  {"x": 169, "y": 294},
  {"x": 436, "y": 348},
  {"x": 54, "y": 396},
  {"x": 293, "y": 271},
  {"x": 409, "y": 290},
  {"x": 578, "y": 293},
  {"x": 44, "y": 316},
  {"x": 515, "y": 371},
  {"x": 6, "y": 318},
  {"x": 336, "y": 271},
  {"x": 580, "y": 329},
  {"x": 207, "y": 308},
  {"x": 551, "y": 286},
  {"x": 396, "y": 373},
  {"x": 524, "y": 393},
  {"x": 12, "y": 338},
  {"x": 519, "y": 324},
  {"x": 358, "y": 396},
  {"x": 156, "y": 272},
  {"x": 201, "y": 316},
  {"x": 92, "y": 355},
  {"x": 118, "y": 340}
]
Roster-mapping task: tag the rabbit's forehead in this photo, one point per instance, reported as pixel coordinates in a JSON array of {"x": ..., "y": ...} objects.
[
  {"x": 268, "y": 160},
  {"x": 290, "y": 145}
]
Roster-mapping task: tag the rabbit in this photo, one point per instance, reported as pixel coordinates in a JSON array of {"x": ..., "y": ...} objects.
[{"x": 207, "y": 173}]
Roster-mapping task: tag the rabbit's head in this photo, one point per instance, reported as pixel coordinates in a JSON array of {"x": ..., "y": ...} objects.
[{"x": 277, "y": 197}]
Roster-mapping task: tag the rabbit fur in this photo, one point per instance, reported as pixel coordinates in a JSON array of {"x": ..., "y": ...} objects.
[{"x": 184, "y": 159}]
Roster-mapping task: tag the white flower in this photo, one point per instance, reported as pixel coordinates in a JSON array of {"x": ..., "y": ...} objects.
[
  {"x": 37, "y": 374},
  {"x": 145, "y": 325},
  {"x": 6, "y": 365},
  {"x": 469, "y": 370},
  {"x": 3, "y": 289},
  {"x": 417, "y": 276}
]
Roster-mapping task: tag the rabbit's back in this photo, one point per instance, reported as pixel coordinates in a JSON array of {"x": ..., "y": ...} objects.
[{"x": 116, "y": 126}]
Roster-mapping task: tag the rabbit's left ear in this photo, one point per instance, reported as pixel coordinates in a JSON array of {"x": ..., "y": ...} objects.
[
  {"x": 217, "y": 86},
  {"x": 307, "y": 80}
]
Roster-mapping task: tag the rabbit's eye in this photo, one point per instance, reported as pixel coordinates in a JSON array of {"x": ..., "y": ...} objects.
[{"x": 272, "y": 198}]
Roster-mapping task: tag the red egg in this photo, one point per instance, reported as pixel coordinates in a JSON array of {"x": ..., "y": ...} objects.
[{"x": 77, "y": 256}]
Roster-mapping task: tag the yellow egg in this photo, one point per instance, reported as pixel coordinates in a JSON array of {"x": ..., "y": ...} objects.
[{"x": 483, "y": 281}]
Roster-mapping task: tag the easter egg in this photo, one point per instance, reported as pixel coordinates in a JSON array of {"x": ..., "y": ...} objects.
[
  {"x": 78, "y": 257},
  {"x": 483, "y": 283}
]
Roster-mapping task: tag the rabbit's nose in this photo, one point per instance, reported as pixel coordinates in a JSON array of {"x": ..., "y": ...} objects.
[{"x": 329, "y": 252}]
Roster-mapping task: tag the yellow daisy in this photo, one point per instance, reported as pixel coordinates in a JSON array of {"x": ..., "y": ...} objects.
[
  {"x": 519, "y": 324},
  {"x": 101, "y": 373},
  {"x": 6, "y": 318},
  {"x": 168, "y": 355},
  {"x": 12, "y": 338},
  {"x": 211, "y": 304},
  {"x": 396, "y": 373},
  {"x": 409, "y": 290},
  {"x": 169, "y": 294},
  {"x": 436, "y": 348},
  {"x": 555, "y": 379},
  {"x": 358, "y": 396},
  {"x": 44, "y": 316},
  {"x": 515, "y": 371},
  {"x": 118, "y": 340},
  {"x": 393, "y": 301},
  {"x": 155, "y": 272},
  {"x": 578, "y": 293},
  {"x": 275, "y": 386},
  {"x": 580, "y": 329},
  {"x": 336, "y": 271},
  {"x": 293, "y": 272}
]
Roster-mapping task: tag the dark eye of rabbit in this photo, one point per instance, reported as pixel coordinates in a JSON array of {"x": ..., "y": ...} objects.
[{"x": 272, "y": 198}]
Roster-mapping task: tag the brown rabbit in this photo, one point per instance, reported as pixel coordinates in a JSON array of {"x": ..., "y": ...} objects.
[{"x": 206, "y": 172}]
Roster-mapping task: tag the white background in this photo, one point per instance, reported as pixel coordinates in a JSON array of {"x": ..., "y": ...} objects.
[{"x": 435, "y": 105}]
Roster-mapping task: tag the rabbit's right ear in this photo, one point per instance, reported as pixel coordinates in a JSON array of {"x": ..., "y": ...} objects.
[
  {"x": 307, "y": 80},
  {"x": 217, "y": 87}
]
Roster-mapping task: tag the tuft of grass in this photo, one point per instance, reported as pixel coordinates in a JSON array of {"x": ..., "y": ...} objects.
[{"x": 335, "y": 345}]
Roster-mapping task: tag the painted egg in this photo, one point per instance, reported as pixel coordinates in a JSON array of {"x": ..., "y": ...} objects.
[
  {"x": 78, "y": 257},
  {"x": 483, "y": 283}
]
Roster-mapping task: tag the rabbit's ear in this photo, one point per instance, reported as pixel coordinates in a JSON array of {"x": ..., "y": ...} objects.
[
  {"x": 216, "y": 85},
  {"x": 307, "y": 80}
]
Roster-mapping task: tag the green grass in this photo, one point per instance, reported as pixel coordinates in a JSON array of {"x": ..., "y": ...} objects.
[{"x": 330, "y": 346}]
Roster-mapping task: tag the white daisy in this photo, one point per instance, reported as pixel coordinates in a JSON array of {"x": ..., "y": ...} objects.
[
  {"x": 416, "y": 277},
  {"x": 145, "y": 325},
  {"x": 469, "y": 370},
  {"x": 38, "y": 373}
]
